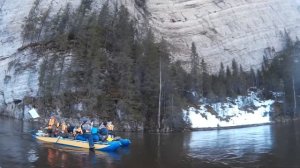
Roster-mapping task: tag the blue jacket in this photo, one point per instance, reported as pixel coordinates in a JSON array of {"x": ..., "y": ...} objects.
[{"x": 103, "y": 131}]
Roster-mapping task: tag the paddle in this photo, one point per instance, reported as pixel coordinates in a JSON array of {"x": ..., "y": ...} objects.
[{"x": 58, "y": 139}]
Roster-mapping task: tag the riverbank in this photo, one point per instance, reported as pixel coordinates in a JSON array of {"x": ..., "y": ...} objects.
[{"x": 40, "y": 122}]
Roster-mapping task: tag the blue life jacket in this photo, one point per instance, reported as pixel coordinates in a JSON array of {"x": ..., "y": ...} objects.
[
  {"x": 94, "y": 130},
  {"x": 103, "y": 131}
]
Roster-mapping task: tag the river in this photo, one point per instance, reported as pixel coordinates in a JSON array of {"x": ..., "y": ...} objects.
[{"x": 261, "y": 146}]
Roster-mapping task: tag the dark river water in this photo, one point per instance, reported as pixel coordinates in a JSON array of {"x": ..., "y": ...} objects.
[{"x": 262, "y": 146}]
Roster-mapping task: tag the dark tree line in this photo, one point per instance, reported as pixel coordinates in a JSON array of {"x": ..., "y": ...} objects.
[
  {"x": 277, "y": 75},
  {"x": 282, "y": 74},
  {"x": 229, "y": 82},
  {"x": 113, "y": 74}
]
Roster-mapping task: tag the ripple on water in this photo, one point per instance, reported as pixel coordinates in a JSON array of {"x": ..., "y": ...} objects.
[{"x": 32, "y": 156}]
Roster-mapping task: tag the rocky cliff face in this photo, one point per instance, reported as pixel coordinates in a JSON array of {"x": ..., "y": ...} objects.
[
  {"x": 19, "y": 70},
  {"x": 221, "y": 29},
  {"x": 225, "y": 29},
  {"x": 19, "y": 78}
]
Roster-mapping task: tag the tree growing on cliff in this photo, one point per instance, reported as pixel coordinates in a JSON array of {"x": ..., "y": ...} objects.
[{"x": 31, "y": 23}]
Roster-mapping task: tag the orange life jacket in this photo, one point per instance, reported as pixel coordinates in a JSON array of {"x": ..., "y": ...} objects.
[
  {"x": 57, "y": 124},
  {"x": 63, "y": 127},
  {"x": 51, "y": 123}
]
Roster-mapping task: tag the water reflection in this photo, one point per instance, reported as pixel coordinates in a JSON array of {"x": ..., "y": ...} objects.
[
  {"x": 286, "y": 150},
  {"x": 62, "y": 156},
  {"x": 32, "y": 156},
  {"x": 232, "y": 146},
  {"x": 15, "y": 150}
]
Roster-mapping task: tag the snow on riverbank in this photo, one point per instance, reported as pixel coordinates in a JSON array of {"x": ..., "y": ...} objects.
[{"x": 245, "y": 110}]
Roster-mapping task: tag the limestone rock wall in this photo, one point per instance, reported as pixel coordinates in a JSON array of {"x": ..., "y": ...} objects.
[
  {"x": 19, "y": 70},
  {"x": 225, "y": 29}
]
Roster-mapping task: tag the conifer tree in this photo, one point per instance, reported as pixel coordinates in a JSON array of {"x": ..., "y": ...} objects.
[
  {"x": 206, "y": 80},
  {"x": 235, "y": 78},
  {"x": 195, "y": 75},
  {"x": 229, "y": 88},
  {"x": 221, "y": 81},
  {"x": 243, "y": 83},
  {"x": 252, "y": 78},
  {"x": 31, "y": 26}
]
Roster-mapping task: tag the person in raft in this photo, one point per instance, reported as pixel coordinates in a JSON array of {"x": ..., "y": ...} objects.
[
  {"x": 63, "y": 130},
  {"x": 105, "y": 131},
  {"x": 52, "y": 125},
  {"x": 110, "y": 128},
  {"x": 87, "y": 132}
]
